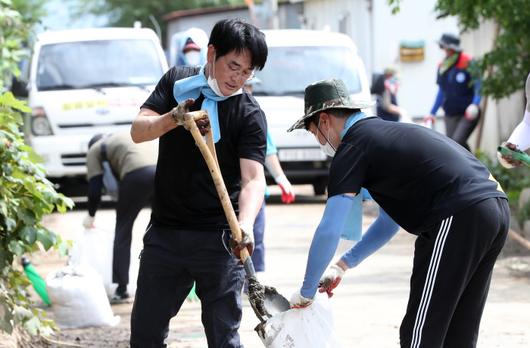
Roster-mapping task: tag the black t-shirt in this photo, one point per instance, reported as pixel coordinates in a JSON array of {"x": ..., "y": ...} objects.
[
  {"x": 185, "y": 195},
  {"x": 418, "y": 176}
]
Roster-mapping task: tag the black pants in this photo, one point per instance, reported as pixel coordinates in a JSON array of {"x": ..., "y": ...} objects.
[
  {"x": 458, "y": 128},
  {"x": 170, "y": 262},
  {"x": 136, "y": 191},
  {"x": 453, "y": 262}
]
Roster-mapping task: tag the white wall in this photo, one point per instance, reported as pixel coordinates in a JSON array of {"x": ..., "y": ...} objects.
[
  {"x": 378, "y": 33},
  {"x": 415, "y": 21},
  {"x": 328, "y": 14}
]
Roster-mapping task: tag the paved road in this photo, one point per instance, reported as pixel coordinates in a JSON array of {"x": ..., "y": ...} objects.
[{"x": 368, "y": 305}]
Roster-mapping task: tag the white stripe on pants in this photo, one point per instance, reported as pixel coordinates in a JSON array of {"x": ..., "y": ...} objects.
[{"x": 429, "y": 281}]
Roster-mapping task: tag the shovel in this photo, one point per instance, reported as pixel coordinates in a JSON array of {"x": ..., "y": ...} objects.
[{"x": 264, "y": 300}]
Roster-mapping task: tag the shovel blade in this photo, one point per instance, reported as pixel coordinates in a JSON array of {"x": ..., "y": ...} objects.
[{"x": 275, "y": 303}]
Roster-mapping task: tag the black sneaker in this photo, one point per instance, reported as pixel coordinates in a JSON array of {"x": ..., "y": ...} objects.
[{"x": 119, "y": 297}]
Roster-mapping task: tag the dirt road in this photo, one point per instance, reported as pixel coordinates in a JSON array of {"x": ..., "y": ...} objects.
[{"x": 368, "y": 305}]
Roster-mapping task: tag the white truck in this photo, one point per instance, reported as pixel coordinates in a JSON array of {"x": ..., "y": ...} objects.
[
  {"x": 296, "y": 59},
  {"x": 83, "y": 82}
]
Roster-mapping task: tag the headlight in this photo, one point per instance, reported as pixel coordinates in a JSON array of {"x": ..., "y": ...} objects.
[{"x": 39, "y": 122}]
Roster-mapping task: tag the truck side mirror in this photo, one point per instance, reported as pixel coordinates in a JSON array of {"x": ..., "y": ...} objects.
[{"x": 19, "y": 88}]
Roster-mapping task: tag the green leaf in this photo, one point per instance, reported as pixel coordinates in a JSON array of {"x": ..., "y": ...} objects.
[
  {"x": 46, "y": 238},
  {"x": 10, "y": 224},
  {"x": 6, "y": 318},
  {"x": 27, "y": 216},
  {"x": 63, "y": 246},
  {"x": 32, "y": 326},
  {"x": 9, "y": 100},
  {"x": 6, "y": 258},
  {"x": 28, "y": 234},
  {"x": 16, "y": 247}
]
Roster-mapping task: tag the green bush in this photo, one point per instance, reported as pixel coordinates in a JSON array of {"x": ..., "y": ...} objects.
[
  {"x": 25, "y": 193},
  {"x": 25, "y": 197}
]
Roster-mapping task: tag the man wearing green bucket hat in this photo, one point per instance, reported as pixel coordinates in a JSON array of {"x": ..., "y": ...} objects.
[{"x": 429, "y": 185}]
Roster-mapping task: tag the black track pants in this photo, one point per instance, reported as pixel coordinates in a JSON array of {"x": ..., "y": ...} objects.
[{"x": 453, "y": 262}]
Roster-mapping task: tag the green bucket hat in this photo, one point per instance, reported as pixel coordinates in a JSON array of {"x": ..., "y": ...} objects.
[{"x": 326, "y": 94}]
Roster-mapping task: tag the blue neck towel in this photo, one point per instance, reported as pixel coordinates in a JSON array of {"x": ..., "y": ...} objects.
[{"x": 193, "y": 87}]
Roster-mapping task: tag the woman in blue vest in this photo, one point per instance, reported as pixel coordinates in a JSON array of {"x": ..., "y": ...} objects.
[{"x": 458, "y": 93}]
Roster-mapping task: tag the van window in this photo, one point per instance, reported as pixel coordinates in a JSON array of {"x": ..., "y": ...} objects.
[
  {"x": 93, "y": 64},
  {"x": 290, "y": 69}
]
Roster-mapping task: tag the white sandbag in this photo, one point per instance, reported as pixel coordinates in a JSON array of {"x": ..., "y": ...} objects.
[
  {"x": 79, "y": 299},
  {"x": 302, "y": 328},
  {"x": 93, "y": 247}
]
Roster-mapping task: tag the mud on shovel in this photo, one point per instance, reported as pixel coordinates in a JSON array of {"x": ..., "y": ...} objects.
[{"x": 265, "y": 300}]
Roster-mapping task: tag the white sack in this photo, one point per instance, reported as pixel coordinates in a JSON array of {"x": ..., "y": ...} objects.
[
  {"x": 93, "y": 247},
  {"x": 302, "y": 328},
  {"x": 79, "y": 299}
]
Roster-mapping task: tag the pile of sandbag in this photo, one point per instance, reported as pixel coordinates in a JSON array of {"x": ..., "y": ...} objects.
[
  {"x": 93, "y": 247},
  {"x": 78, "y": 298}
]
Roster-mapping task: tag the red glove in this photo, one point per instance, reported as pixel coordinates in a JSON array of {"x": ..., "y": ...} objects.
[
  {"x": 331, "y": 279},
  {"x": 288, "y": 195}
]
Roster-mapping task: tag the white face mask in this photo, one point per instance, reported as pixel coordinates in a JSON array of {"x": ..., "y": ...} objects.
[
  {"x": 192, "y": 57},
  {"x": 212, "y": 82},
  {"x": 327, "y": 148}
]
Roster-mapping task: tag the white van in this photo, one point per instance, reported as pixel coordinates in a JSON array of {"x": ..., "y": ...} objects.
[
  {"x": 87, "y": 81},
  {"x": 296, "y": 59}
]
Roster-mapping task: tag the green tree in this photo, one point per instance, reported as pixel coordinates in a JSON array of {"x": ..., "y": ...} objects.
[
  {"x": 16, "y": 19},
  {"x": 508, "y": 62},
  {"x": 25, "y": 193},
  {"x": 150, "y": 13}
]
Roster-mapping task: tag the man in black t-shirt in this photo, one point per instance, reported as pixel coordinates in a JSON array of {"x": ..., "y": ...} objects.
[
  {"x": 429, "y": 185},
  {"x": 186, "y": 239}
]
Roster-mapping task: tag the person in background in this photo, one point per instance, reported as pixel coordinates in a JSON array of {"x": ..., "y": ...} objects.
[
  {"x": 272, "y": 164},
  {"x": 191, "y": 46},
  {"x": 458, "y": 93},
  {"x": 385, "y": 87},
  {"x": 429, "y": 185},
  {"x": 187, "y": 238},
  {"x": 134, "y": 166},
  {"x": 519, "y": 140}
]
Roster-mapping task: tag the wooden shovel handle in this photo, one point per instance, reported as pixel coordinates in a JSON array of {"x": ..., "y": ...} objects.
[{"x": 213, "y": 166}]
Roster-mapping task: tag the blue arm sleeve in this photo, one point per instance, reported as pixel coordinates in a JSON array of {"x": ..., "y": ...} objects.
[
  {"x": 325, "y": 241},
  {"x": 476, "y": 91},
  {"x": 438, "y": 101},
  {"x": 271, "y": 148},
  {"x": 377, "y": 235},
  {"x": 95, "y": 184}
]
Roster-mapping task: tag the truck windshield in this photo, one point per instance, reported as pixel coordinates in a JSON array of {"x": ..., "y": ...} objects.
[
  {"x": 290, "y": 69},
  {"x": 97, "y": 64}
]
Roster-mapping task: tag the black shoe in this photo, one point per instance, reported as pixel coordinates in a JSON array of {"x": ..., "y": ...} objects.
[{"x": 119, "y": 297}]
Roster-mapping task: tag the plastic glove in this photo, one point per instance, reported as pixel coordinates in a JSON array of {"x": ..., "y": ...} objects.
[
  {"x": 331, "y": 279},
  {"x": 299, "y": 301},
  {"x": 88, "y": 221},
  {"x": 429, "y": 121},
  {"x": 507, "y": 161},
  {"x": 247, "y": 240},
  {"x": 288, "y": 195},
  {"x": 471, "y": 112}
]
